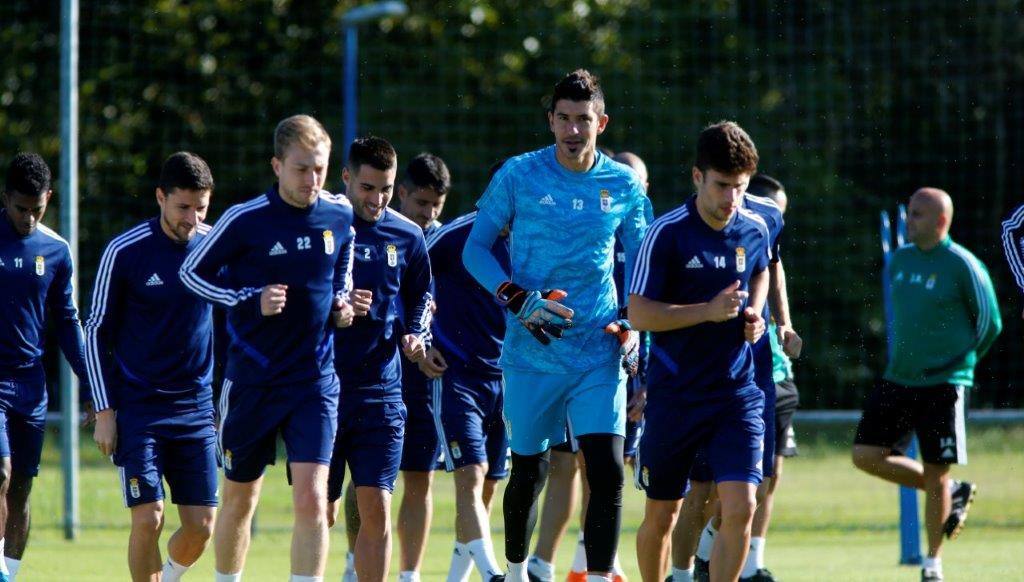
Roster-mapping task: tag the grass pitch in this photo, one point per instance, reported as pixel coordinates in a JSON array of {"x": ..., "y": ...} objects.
[{"x": 831, "y": 521}]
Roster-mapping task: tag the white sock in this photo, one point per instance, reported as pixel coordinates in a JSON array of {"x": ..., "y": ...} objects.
[
  {"x": 750, "y": 564},
  {"x": 541, "y": 569},
  {"x": 172, "y": 571},
  {"x": 3, "y": 563},
  {"x": 680, "y": 575},
  {"x": 707, "y": 541},
  {"x": 236, "y": 577},
  {"x": 12, "y": 566},
  {"x": 297, "y": 578},
  {"x": 350, "y": 568},
  {"x": 757, "y": 548},
  {"x": 462, "y": 564},
  {"x": 597, "y": 578},
  {"x": 408, "y": 576},
  {"x": 483, "y": 556},
  {"x": 516, "y": 572},
  {"x": 617, "y": 565},
  {"x": 579, "y": 559},
  {"x": 934, "y": 564}
]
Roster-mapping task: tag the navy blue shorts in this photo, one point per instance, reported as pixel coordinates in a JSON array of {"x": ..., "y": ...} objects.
[
  {"x": 176, "y": 443},
  {"x": 729, "y": 429},
  {"x": 23, "y": 419},
  {"x": 468, "y": 414},
  {"x": 421, "y": 450},
  {"x": 252, "y": 415},
  {"x": 369, "y": 441},
  {"x": 633, "y": 429}
]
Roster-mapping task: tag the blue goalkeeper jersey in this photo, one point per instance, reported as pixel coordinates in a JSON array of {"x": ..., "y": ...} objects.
[
  {"x": 267, "y": 241},
  {"x": 36, "y": 279},
  {"x": 563, "y": 237},
  {"x": 148, "y": 339},
  {"x": 684, "y": 261},
  {"x": 391, "y": 261}
]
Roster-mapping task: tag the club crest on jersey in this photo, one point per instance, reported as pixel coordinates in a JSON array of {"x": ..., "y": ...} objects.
[
  {"x": 454, "y": 448},
  {"x": 392, "y": 252},
  {"x": 40, "y": 265},
  {"x": 227, "y": 459},
  {"x": 741, "y": 259},
  {"x": 328, "y": 242},
  {"x": 133, "y": 488},
  {"x": 645, "y": 477},
  {"x": 606, "y": 201},
  {"x": 930, "y": 283}
]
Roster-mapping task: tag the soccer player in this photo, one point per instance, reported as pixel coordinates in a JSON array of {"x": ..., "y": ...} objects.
[
  {"x": 281, "y": 263},
  {"x": 565, "y": 203},
  {"x": 560, "y": 495},
  {"x": 467, "y": 390},
  {"x": 36, "y": 274},
  {"x": 392, "y": 303},
  {"x": 945, "y": 317},
  {"x": 1013, "y": 245},
  {"x": 150, "y": 358},
  {"x": 701, "y": 267},
  {"x": 422, "y": 193},
  {"x": 701, "y": 489}
]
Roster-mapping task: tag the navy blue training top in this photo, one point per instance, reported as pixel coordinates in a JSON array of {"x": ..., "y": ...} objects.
[
  {"x": 684, "y": 261},
  {"x": 391, "y": 261},
  {"x": 267, "y": 241},
  {"x": 148, "y": 339},
  {"x": 36, "y": 277}
]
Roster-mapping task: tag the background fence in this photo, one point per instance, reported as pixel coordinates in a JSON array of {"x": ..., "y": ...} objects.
[{"x": 852, "y": 105}]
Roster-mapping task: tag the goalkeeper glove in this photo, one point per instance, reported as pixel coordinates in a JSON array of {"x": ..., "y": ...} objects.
[
  {"x": 539, "y": 311},
  {"x": 629, "y": 344}
]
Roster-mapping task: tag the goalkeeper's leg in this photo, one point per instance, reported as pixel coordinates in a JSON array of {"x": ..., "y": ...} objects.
[
  {"x": 529, "y": 472},
  {"x": 603, "y": 462}
]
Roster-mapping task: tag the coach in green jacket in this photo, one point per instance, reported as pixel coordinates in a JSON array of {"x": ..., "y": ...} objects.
[{"x": 945, "y": 319}]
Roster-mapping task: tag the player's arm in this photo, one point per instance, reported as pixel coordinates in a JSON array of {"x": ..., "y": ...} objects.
[
  {"x": 754, "y": 325},
  {"x": 984, "y": 307},
  {"x": 778, "y": 301},
  {"x": 342, "y": 308},
  {"x": 1013, "y": 239},
  {"x": 415, "y": 290},
  {"x": 218, "y": 249},
  {"x": 107, "y": 298},
  {"x": 61, "y": 299}
]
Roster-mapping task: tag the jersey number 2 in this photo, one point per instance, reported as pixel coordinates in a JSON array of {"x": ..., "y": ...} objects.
[{"x": 302, "y": 243}]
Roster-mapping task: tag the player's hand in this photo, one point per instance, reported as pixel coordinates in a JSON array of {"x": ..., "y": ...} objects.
[
  {"x": 636, "y": 405},
  {"x": 272, "y": 299},
  {"x": 433, "y": 365},
  {"x": 413, "y": 348},
  {"x": 753, "y": 329},
  {"x": 726, "y": 305},
  {"x": 342, "y": 313},
  {"x": 88, "y": 414},
  {"x": 105, "y": 433},
  {"x": 361, "y": 300},
  {"x": 539, "y": 311},
  {"x": 790, "y": 341},
  {"x": 629, "y": 344}
]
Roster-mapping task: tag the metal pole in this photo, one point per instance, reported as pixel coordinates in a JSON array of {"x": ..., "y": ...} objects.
[
  {"x": 351, "y": 78},
  {"x": 69, "y": 229}
]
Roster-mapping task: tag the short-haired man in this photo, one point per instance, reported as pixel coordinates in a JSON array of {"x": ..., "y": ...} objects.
[
  {"x": 36, "y": 274},
  {"x": 701, "y": 267},
  {"x": 423, "y": 191},
  {"x": 945, "y": 317},
  {"x": 150, "y": 357},
  {"x": 392, "y": 300},
  {"x": 565, "y": 203},
  {"x": 281, "y": 264},
  {"x": 560, "y": 496}
]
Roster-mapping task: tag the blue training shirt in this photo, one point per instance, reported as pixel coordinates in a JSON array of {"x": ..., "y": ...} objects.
[
  {"x": 36, "y": 276},
  {"x": 266, "y": 241},
  {"x": 684, "y": 261},
  {"x": 391, "y": 261},
  {"x": 563, "y": 235},
  {"x": 148, "y": 339}
]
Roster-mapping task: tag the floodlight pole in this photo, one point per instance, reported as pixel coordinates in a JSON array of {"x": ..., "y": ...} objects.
[
  {"x": 350, "y": 26},
  {"x": 69, "y": 230}
]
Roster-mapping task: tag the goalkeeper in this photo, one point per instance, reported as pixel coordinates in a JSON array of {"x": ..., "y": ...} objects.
[{"x": 565, "y": 203}]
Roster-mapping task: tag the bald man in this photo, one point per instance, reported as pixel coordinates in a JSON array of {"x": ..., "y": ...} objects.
[{"x": 945, "y": 317}]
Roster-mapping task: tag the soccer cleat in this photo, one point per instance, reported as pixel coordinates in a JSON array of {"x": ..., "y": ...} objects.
[
  {"x": 574, "y": 576},
  {"x": 498, "y": 578},
  {"x": 762, "y": 575},
  {"x": 533, "y": 577},
  {"x": 929, "y": 575},
  {"x": 701, "y": 570},
  {"x": 619, "y": 578},
  {"x": 962, "y": 494}
]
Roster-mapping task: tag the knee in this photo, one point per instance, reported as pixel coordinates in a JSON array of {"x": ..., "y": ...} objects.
[
  {"x": 660, "y": 521},
  {"x": 310, "y": 505},
  {"x": 529, "y": 470},
  {"x": 148, "y": 521},
  {"x": 864, "y": 458},
  {"x": 5, "y": 476},
  {"x": 739, "y": 510},
  {"x": 199, "y": 529}
]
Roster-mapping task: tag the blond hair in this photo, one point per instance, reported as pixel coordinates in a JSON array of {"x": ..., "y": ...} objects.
[{"x": 301, "y": 129}]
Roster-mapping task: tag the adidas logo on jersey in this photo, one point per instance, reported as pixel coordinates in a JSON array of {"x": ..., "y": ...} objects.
[
  {"x": 278, "y": 249},
  {"x": 694, "y": 263},
  {"x": 154, "y": 280},
  {"x": 547, "y": 201}
]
